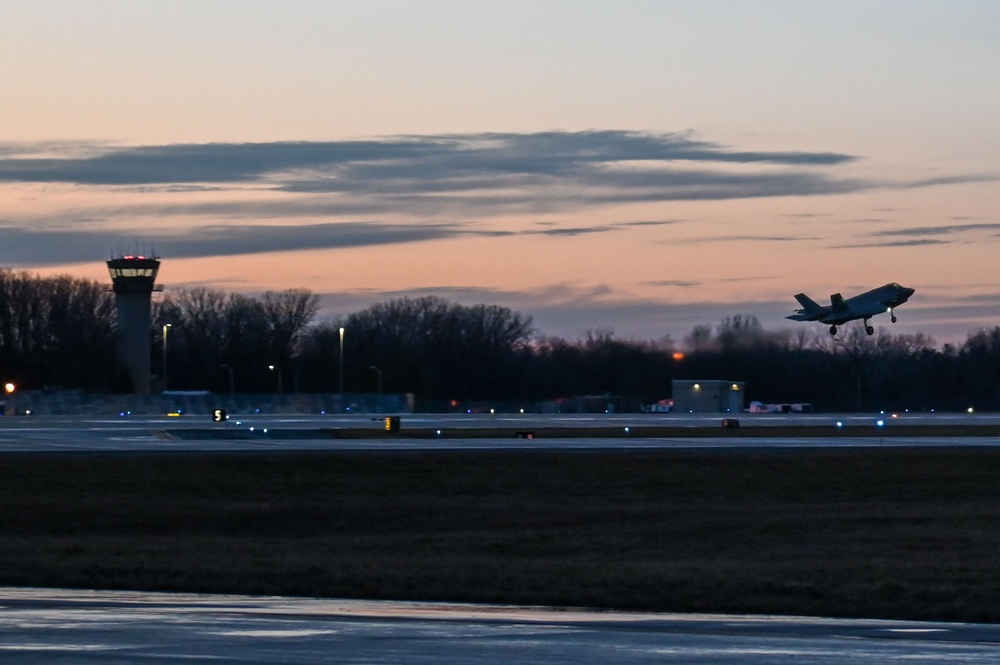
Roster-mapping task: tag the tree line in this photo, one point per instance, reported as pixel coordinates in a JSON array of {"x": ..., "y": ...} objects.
[{"x": 58, "y": 333}]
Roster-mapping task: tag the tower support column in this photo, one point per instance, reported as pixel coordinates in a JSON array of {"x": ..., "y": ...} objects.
[{"x": 134, "y": 280}]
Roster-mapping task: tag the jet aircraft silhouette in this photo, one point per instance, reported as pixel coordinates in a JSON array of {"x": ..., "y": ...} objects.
[{"x": 863, "y": 306}]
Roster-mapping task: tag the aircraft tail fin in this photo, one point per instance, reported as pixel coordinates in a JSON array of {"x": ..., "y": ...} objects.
[
  {"x": 810, "y": 311},
  {"x": 808, "y": 304},
  {"x": 838, "y": 303}
]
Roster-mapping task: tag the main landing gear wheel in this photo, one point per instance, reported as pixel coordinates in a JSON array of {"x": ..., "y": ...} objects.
[
  {"x": 869, "y": 330},
  {"x": 893, "y": 318},
  {"x": 833, "y": 330}
]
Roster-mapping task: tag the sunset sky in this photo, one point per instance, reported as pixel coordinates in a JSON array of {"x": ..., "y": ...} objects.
[{"x": 635, "y": 166}]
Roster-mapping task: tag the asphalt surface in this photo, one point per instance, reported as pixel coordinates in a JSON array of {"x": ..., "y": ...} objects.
[
  {"x": 262, "y": 432},
  {"x": 54, "y": 626}
]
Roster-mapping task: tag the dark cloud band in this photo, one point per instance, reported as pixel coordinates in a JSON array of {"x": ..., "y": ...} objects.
[
  {"x": 27, "y": 247},
  {"x": 430, "y": 187},
  {"x": 394, "y": 160}
]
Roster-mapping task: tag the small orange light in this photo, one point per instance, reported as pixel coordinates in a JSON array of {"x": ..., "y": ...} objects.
[
  {"x": 9, "y": 388},
  {"x": 678, "y": 355}
]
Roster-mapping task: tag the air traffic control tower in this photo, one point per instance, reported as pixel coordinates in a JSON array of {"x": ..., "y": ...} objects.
[{"x": 134, "y": 280}]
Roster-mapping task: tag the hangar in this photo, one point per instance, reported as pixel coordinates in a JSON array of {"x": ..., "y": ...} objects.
[{"x": 713, "y": 396}]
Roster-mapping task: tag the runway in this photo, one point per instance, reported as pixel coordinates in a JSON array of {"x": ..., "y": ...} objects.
[
  {"x": 261, "y": 432},
  {"x": 116, "y": 627}
]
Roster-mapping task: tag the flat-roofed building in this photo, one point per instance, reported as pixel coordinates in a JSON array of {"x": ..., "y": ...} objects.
[{"x": 708, "y": 396}]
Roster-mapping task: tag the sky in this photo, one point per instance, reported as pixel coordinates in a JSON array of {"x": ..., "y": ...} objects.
[{"x": 639, "y": 167}]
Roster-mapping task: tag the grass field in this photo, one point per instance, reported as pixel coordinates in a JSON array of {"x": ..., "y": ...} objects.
[{"x": 896, "y": 533}]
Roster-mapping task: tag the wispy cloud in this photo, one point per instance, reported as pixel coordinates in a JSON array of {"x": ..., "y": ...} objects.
[
  {"x": 554, "y": 230},
  {"x": 28, "y": 247},
  {"x": 257, "y": 197},
  {"x": 423, "y": 163},
  {"x": 940, "y": 230},
  {"x": 687, "y": 284},
  {"x": 571, "y": 231},
  {"x": 742, "y": 238},
  {"x": 42, "y": 246},
  {"x": 679, "y": 283},
  {"x": 916, "y": 242},
  {"x": 661, "y": 222},
  {"x": 432, "y": 175},
  {"x": 916, "y": 236}
]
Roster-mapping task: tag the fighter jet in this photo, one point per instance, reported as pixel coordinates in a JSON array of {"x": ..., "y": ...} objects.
[{"x": 863, "y": 306}]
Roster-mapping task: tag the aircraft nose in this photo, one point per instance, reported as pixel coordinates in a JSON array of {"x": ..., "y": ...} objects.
[{"x": 909, "y": 292}]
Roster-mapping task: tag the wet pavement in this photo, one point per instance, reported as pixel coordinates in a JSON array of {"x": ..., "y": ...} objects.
[{"x": 54, "y": 626}]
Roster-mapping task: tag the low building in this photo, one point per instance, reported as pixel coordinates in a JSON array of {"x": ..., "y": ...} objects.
[{"x": 711, "y": 396}]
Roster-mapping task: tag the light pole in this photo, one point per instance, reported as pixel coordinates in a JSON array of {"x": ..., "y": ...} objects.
[
  {"x": 166, "y": 327},
  {"x": 341, "y": 363},
  {"x": 378, "y": 373},
  {"x": 8, "y": 389},
  {"x": 277, "y": 370},
  {"x": 232, "y": 382}
]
